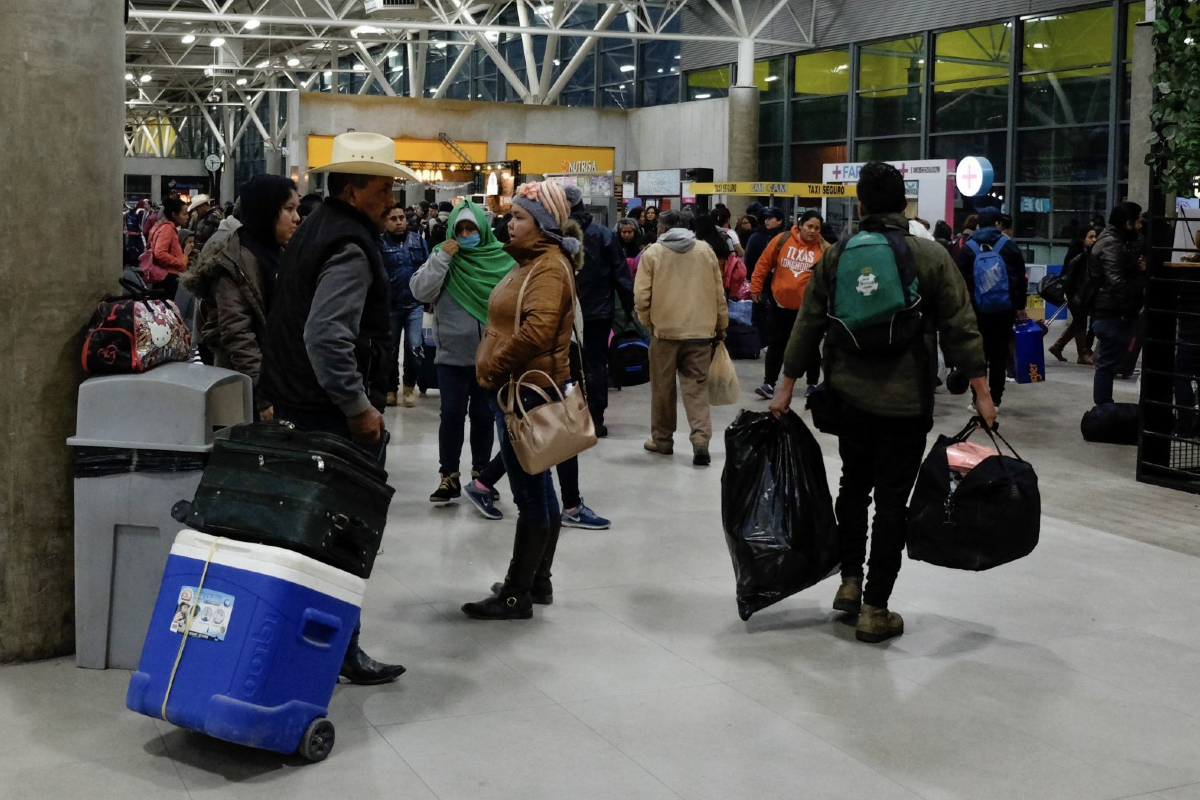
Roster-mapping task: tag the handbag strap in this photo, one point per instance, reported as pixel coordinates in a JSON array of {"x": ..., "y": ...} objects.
[
  {"x": 574, "y": 336},
  {"x": 978, "y": 422}
]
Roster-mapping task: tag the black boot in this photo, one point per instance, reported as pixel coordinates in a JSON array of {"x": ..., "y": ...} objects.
[
  {"x": 513, "y": 601},
  {"x": 360, "y": 668},
  {"x": 541, "y": 593}
]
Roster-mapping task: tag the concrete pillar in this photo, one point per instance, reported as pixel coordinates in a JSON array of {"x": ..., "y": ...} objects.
[
  {"x": 54, "y": 56},
  {"x": 743, "y": 128},
  {"x": 1141, "y": 71},
  {"x": 227, "y": 171}
]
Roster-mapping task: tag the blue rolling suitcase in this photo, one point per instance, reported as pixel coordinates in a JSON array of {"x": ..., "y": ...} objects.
[{"x": 267, "y": 631}]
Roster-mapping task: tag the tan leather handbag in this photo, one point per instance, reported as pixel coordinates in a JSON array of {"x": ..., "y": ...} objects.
[{"x": 560, "y": 428}]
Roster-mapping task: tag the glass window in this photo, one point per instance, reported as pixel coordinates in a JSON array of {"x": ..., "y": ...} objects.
[
  {"x": 771, "y": 79},
  {"x": 890, "y": 112},
  {"x": 898, "y": 62},
  {"x": 819, "y": 118},
  {"x": 1063, "y": 155},
  {"x": 619, "y": 96},
  {"x": 660, "y": 91},
  {"x": 824, "y": 73},
  {"x": 771, "y": 122},
  {"x": 708, "y": 83},
  {"x": 970, "y": 105},
  {"x": 808, "y": 159},
  {"x": 581, "y": 99},
  {"x": 1062, "y": 41},
  {"x": 908, "y": 148},
  {"x": 1055, "y": 212},
  {"x": 1123, "y": 151},
  {"x": 973, "y": 53},
  {"x": 1065, "y": 98},
  {"x": 617, "y": 65},
  {"x": 770, "y": 163},
  {"x": 1134, "y": 13}
]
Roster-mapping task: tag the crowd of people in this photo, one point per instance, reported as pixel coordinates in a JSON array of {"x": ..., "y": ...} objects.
[{"x": 323, "y": 302}]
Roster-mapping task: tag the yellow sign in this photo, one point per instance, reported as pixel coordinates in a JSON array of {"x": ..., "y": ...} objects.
[
  {"x": 539, "y": 159},
  {"x": 320, "y": 150},
  {"x": 758, "y": 188}
]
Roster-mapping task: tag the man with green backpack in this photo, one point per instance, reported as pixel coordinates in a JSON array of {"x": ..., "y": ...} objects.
[{"x": 882, "y": 300}]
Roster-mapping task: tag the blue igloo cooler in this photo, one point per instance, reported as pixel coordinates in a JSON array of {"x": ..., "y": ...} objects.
[{"x": 268, "y": 634}]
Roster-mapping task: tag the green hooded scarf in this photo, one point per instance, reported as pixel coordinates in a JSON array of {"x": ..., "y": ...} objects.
[{"x": 475, "y": 271}]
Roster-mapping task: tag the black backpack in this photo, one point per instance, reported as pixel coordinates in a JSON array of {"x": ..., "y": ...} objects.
[
  {"x": 629, "y": 360},
  {"x": 991, "y": 517}
]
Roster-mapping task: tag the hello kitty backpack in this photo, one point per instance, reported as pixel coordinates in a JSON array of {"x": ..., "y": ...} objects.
[{"x": 134, "y": 334}]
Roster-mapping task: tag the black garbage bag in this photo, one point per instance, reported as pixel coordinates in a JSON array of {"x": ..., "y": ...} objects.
[
  {"x": 990, "y": 517},
  {"x": 776, "y": 509}
]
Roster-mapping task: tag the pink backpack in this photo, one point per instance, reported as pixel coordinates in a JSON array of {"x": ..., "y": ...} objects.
[{"x": 733, "y": 275}]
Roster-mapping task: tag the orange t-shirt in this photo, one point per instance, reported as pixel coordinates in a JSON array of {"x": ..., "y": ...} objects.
[{"x": 792, "y": 265}]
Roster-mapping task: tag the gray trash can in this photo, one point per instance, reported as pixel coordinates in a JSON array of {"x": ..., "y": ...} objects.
[{"x": 141, "y": 442}]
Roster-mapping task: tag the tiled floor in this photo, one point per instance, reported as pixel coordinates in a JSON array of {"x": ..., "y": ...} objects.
[{"x": 1071, "y": 675}]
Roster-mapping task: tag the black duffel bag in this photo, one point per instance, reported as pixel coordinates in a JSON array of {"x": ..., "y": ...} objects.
[
  {"x": 315, "y": 493},
  {"x": 1111, "y": 423},
  {"x": 991, "y": 517},
  {"x": 776, "y": 509}
]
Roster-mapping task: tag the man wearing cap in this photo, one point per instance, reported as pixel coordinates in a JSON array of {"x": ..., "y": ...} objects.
[
  {"x": 205, "y": 217},
  {"x": 770, "y": 227},
  {"x": 325, "y": 357}
]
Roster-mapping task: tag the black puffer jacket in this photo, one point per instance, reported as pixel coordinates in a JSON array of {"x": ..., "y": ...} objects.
[
  {"x": 1113, "y": 271},
  {"x": 604, "y": 271}
]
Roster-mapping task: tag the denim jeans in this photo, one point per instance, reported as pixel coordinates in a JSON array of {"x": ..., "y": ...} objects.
[
  {"x": 462, "y": 396},
  {"x": 321, "y": 423},
  {"x": 1112, "y": 342},
  {"x": 406, "y": 324},
  {"x": 537, "y": 504}
]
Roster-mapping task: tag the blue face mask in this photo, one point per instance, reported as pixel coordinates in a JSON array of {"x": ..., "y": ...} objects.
[{"x": 472, "y": 240}]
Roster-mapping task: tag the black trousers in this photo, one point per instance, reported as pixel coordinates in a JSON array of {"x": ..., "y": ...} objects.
[
  {"x": 780, "y": 322},
  {"x": 997, "y": 332},
  {"x": 595, "y": 361},
  {"x": 568, "y": 478},
  {"x": 880, "y": 456}
]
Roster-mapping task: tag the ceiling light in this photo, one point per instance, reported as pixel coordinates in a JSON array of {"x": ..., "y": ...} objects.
[
  {"x": 676, "y": 58},
  {"x": 772, "y": 78},
  {"x": 251, "y": 24},
  {"x": 208, "y": 71},
  {"x": 366, "y": 30},
  {"x": 544, "y": 11},
  {"x": 622, "y": 86},
  {"x": 216, "y": 41},
  {"x": 242, "y": 81},
  {"x": 1039, "y": 46},
  {"x": 146, "y": 78},
  {"x": 492, "y": 36},
  {"x": 440, "y": 45},
  {"x": 128, "y": 76},
  {"x": 189, "y": 38},
  {"x": 217, "y": 90},
  {"x": 628, "y": 68},
  {"x": 328, "y": 73},
  {"x": 1189, "y": 41},
  {"x": 660, "y": 70},
  {"x": 920, "y": 61},
  {"x": 293, "y": 62},
  {"x": 266, "y": 62},
  {"x": 703, "y": 96},
  {"x": 674, "y": 70},
  {"x": 360, "y": 67},
  {"x": 557, "y": 62}
]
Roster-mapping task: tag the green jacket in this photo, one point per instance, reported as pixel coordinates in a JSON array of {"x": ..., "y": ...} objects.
[{"x": 901, "y": 386}]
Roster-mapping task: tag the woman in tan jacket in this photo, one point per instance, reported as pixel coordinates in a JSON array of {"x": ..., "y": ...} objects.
[{"x": 546, "y": 245}]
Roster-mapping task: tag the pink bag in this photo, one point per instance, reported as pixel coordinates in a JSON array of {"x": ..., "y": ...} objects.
[
  {"x": 152, "y": 273},
  {"x": 965, "y": 456},
  {"x": 733, "y": 275}
]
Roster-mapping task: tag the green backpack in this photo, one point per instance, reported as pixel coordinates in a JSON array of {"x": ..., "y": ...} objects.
[{"x": 873, "y": 298}]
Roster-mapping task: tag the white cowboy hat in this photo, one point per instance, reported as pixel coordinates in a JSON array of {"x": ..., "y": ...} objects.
[
  {"x": 198, "y": 201},
  {"x": 360, "y": 153}
]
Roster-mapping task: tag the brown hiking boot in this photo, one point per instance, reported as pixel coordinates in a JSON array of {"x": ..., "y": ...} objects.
[
  {"x": 877, "y": 624},
  {"x": 849, "y": 596},
  {"x": 1085, "y": 358},
  {"x": 1056, "y": 351},
  {"x": 662, "y": 448}
]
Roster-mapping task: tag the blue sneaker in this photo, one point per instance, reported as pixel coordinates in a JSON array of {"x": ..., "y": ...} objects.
[
  {"x": 583, "y": 517},
  {"x": 482, "y": 500}
]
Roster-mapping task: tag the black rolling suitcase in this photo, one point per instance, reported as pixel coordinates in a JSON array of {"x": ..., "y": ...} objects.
[
  {"x": 315, "y": 493},
  {"x": 742, "y": 341}
]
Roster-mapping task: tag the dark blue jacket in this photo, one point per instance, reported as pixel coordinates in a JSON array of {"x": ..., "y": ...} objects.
[
  {"x": 1018, "y": 282},
  {"x": 402, "y": 257},
  {"x": 604, "y": 272}
]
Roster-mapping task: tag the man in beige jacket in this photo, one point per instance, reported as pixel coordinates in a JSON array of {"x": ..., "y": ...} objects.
[{"x": 680, "y": 298}]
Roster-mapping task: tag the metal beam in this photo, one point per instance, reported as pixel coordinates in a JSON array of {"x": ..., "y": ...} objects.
[
  {"x": 580, "y": 56},
  {"x": 779, "y": 6},
  {"x": 531, "y": 71},
  {"x": 375, "y": 71},
  {"x": 463, "y": 57},
  {"x": 212, "y": 125},
  {"x": 470, "y": 28}
]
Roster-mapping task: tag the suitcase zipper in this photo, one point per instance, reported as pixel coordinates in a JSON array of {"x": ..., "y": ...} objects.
[{"x": 320, "y": 462}]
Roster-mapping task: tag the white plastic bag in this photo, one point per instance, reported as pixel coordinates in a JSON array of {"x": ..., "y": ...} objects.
[{"x": 723, "y": 386}]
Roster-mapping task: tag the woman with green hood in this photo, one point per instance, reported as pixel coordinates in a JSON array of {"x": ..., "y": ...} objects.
[{"x": 457, "y": 280}]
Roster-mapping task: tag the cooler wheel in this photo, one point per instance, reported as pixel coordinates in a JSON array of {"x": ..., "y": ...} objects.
[{"x": 317, "y": 743}]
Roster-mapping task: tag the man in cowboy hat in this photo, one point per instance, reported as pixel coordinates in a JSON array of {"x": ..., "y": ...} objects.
[
  {"x": 328, "y": 329},
  {"x": 205, "y": 217}
]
